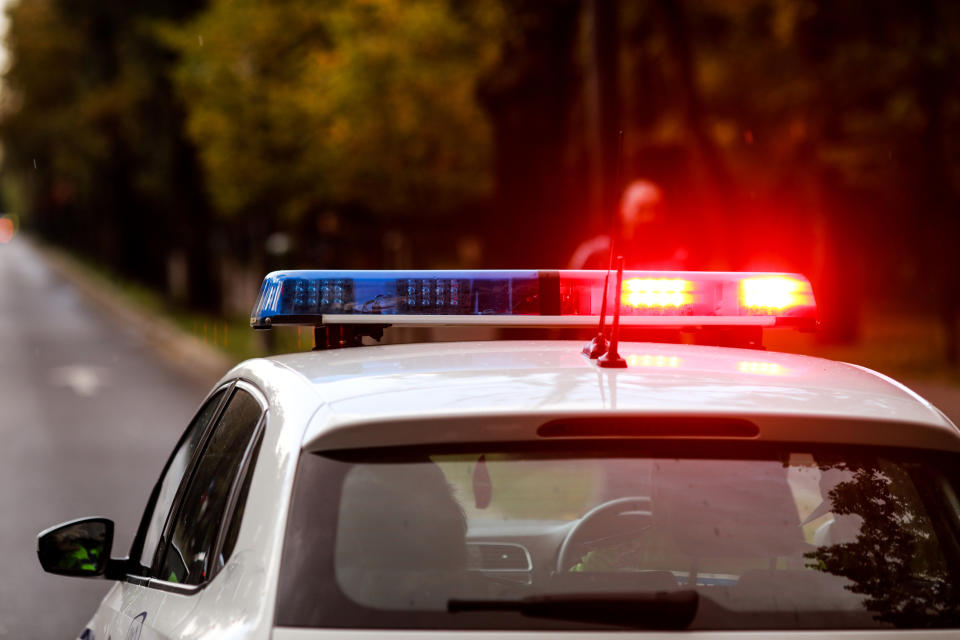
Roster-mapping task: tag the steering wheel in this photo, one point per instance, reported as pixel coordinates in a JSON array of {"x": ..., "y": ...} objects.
[{"x": 599, "y": 527}]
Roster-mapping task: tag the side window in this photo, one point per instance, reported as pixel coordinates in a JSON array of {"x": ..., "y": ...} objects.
[
  {"x": 192, "y": 555},
  {"x": 173, "y": 475},
  {"x": 230, "y": 539}
]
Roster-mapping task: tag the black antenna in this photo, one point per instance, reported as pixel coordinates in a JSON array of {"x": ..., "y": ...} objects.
[
  {"x": 598, "y": 346},
  {"x": 611, "y": 359}
]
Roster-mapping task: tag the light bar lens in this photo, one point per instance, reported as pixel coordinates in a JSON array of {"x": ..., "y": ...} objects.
[
  {"x": 774, "y": 293},
  {"x": 542, "y": 297},
  {"x": 304, "y": 294},
  {"x": 657, "y": 293}
]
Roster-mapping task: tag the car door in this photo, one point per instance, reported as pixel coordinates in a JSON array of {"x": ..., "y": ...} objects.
[
  {"x": 127, "y": 605},
  {"x": 198, "y": 536}
]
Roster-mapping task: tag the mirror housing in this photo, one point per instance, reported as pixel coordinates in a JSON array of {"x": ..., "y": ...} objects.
[{"x": 77, "y": 548}]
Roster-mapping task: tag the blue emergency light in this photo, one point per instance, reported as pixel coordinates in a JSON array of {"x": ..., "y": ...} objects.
[{"x": 535, "y": 298}]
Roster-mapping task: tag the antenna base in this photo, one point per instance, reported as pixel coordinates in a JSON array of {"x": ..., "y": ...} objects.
[
  {"x": 596, "y": 347},
  {"x": 611, "y": 360}
]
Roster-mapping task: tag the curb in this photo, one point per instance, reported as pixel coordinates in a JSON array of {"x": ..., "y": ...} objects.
[{"x": 188, "y": 355}]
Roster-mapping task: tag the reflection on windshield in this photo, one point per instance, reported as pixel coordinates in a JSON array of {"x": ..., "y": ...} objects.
[
  {"x": 791, "y": 540},
  {"x": 882, "y": 540}
]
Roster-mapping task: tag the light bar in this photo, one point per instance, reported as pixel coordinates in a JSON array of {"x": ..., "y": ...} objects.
[{"x": 682, "y": 299}]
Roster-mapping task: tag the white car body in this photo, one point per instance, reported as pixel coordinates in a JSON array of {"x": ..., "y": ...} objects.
[{"x": 499, "y": 391}]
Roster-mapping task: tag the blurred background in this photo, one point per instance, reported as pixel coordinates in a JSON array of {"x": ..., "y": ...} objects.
[
  {"x": 158, "y": 157},
  {"x": 189, "y": 146}
]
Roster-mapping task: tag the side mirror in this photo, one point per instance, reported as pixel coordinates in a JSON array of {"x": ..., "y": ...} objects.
[{"x": 76, "y": 548}]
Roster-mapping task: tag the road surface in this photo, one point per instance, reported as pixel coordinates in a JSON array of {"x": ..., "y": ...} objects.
[{"x": 87, "y": 416}]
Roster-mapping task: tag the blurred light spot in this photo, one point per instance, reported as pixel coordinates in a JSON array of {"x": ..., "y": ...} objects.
[
  {"x": 83, "y": 380},
  {"x": 277, "y": 243},
  {"x": 761, "y": 368},
  {"x": 7, "y": 230},
  {"x": 725, "y": 131},
  {"x": 635, "y": 360}
]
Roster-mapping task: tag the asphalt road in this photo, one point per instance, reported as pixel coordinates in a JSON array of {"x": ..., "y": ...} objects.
[{"x": 88, "y": 414}]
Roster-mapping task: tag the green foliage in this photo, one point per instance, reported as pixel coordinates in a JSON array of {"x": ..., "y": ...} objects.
[
  {"x": 92, "y": 134},
  {"x": 815, "y": 85},
  {"x": 45, "y": 98},
  {"x": 301, "y": 105}
]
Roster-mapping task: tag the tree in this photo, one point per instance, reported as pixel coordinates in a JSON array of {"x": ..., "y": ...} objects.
[
  {"x": 93, "y": 131},
  {"x": 533, "y": 98},
  {"x": 895, "y": 560},
  {"x": 303, "y": 107}
]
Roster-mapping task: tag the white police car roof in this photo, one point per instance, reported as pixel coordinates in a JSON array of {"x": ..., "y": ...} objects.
[
  {"x": 508, "y": 390},
  {"x": 504, "y": 390}
]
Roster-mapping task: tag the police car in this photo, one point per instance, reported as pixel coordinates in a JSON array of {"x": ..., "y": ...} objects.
[{"x": 537, "y": 486}]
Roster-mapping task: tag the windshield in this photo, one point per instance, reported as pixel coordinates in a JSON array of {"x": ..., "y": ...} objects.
[{"x": 645, "y": 537}]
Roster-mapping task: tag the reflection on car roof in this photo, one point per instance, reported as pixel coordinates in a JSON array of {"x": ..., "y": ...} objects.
[{"x": 396, "y": 382}]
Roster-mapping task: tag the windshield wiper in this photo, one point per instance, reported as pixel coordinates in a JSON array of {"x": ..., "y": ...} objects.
[{"x": 659, "y": 610}]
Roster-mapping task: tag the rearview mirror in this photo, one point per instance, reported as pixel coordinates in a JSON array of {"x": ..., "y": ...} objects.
[{"x": 76, "y": 548}]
